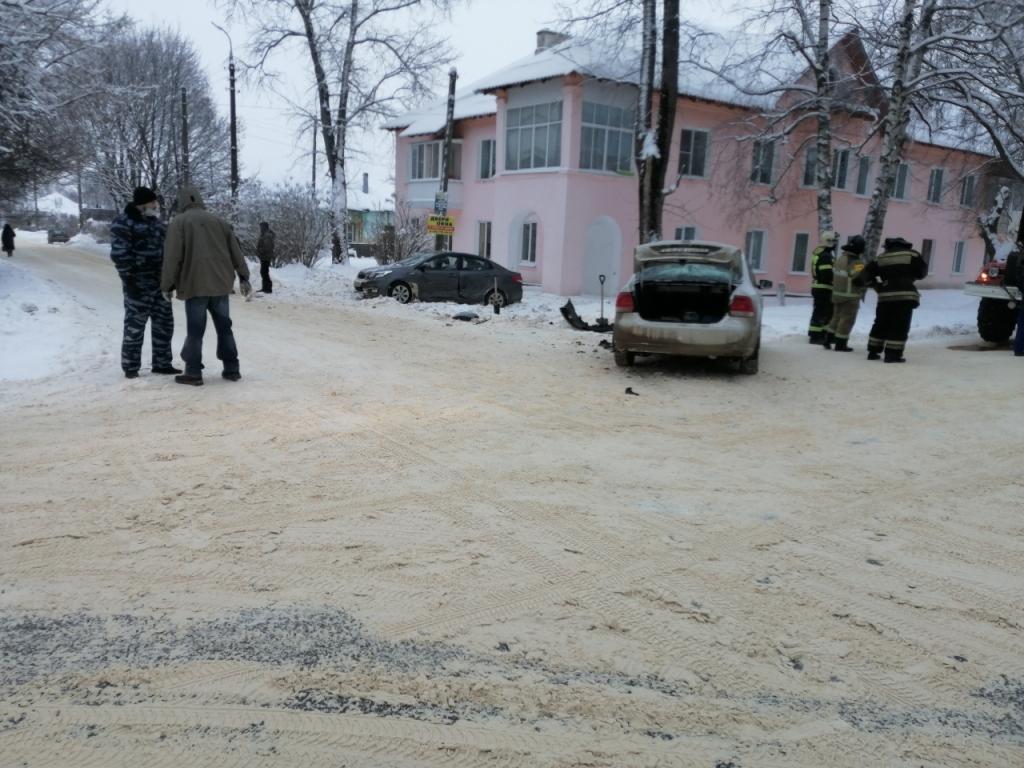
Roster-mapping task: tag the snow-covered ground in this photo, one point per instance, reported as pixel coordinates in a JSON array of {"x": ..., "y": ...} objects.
[
  {"x": 43, "y": 329},
  {"x": 942, "y": 312}
]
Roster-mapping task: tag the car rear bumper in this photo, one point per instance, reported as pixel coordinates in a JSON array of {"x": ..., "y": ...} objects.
[
  {"x": 730, "y": 337},
  {"x": 1004, "y": 293}
]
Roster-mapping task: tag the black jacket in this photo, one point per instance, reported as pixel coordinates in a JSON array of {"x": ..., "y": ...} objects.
[
  {"x": 8, "y": 238},
  {"x": 893, "y": 275}
]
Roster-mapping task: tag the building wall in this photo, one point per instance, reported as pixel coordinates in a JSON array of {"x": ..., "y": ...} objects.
[{"x": 582, "y": 215}]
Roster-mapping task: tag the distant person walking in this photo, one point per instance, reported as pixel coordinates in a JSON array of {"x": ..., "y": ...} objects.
[
  {"x": 201, "y": 258},
  {"x": 846, "y": 295},
  {"x": 8, "y": 240},
  {"x": 265, "y": 250},
  {"x": 137, "y": 250},
  {"x": 821, "y": 288},
  {"x": 893, "y": 275}
]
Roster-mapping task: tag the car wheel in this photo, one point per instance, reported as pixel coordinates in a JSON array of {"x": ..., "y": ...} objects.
[
  {"x": 624, "y": 359},
  {"x": 401, "y": 292},
  {"x": 996, "y": 320},
  {"x": 749, "y": 365},
  {"x": 496, "y": 297}
]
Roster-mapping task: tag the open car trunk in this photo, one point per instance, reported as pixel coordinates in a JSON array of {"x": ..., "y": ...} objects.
[{"x": 684, "y": 291}]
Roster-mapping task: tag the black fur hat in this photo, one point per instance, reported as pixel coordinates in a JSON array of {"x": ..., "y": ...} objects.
[
  {"x": 896, "y": 244},
  {"x": 143, "y": 195},
  {"x": 855, "y": 244}
]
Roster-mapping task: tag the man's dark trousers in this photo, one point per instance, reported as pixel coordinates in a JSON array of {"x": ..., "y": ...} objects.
[
  {"x": 268, "y": 286},
  {"x": 195, "y": 319}
]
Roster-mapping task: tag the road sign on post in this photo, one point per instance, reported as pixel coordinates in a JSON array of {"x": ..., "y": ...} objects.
[{"x": 440, "y": 225}]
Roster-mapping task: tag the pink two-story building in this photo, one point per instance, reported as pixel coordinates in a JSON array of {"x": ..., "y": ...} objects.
[{"x": 543, "y": 178}]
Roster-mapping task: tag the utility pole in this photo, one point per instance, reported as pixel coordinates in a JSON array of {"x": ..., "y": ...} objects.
[
  {"x": 81, "y": 217},
  {"x": 234, "y": 120},
  {"x": 446, "y": 157},
  {"x": 313, "y": 180},
  {"x": 185, "y": 175}
]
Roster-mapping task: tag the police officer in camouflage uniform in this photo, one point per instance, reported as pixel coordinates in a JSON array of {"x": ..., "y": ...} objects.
[
  {"x": 137, "y": 250},
  {"x": 893, "y": 275},
  {"x": 821, "y": 288}
]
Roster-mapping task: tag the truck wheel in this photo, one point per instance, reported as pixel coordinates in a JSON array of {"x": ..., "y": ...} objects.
[
  {"x": 624, "y": 359},
  {"x": 996, "y": 320}
]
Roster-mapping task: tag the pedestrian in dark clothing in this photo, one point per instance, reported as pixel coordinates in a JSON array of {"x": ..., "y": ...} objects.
[
  {"x": 265, "y": 250},
  {"x": 821, "y": 288},
  {"x": 201, "y": 257},
  {"x": 892, "y": 275},
  {"x": 8, "y": 240},
  {"x": 137, "y": 250}
]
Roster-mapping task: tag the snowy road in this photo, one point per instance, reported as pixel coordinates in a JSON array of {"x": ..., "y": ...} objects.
[{"x": 401, "y": 542}]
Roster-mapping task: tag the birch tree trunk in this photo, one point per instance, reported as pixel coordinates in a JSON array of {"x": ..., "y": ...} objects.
[
  {"x": 339, "y": 178},
  {"x": 668, "y": 99},
  {"x": 646, "y": 145},
  {"x": 823, "y": 147},
  {"x": 895, "y": 134}
]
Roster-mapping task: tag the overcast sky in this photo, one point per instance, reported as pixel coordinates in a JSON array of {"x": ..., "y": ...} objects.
[{"x": 486, "y": 34}]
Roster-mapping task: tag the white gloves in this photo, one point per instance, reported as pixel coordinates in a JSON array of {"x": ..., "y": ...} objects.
[{"x": 168, "y": 295}]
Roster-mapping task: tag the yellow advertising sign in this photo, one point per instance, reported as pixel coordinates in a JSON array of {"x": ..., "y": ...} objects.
[{"x": 440, "y": 225}]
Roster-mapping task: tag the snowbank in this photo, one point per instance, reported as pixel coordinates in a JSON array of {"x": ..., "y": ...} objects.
[
  {"x": 43, "y": 331},
  {"x": 942, "y": 312},
  {"x": 87, "y": 242}
]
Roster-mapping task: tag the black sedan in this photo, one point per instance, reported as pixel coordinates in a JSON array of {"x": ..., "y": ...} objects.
[{"x": 461, "y": 277}]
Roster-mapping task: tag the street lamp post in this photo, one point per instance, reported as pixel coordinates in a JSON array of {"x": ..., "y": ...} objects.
[{"x": 234, "y": 121}]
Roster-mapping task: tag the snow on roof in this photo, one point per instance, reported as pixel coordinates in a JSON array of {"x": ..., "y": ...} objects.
[
  {"x": 431, "y": 119},
  {"x": 55, "y": 202}
]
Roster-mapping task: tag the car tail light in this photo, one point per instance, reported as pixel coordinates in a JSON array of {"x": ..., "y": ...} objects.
[
  {"x": 741, "y": 306},
  {"x": 516, "y": 277},
  {"x": 624, "y": 302}
]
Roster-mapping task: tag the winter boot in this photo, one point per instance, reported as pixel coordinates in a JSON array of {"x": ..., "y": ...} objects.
[
  {"x": 872, "y": 355},
  {"x": 131, "y": 374},
  {"x": 894, "y": 356},
  {"x": 827, "y": 341},
  {"x": 166, "y": 369},
  {"x": 232, "y": 375},
  {"x": 815, "y": 337},
  {"x": 843, "y": 346},
  {"x": 192, "y": 381}
]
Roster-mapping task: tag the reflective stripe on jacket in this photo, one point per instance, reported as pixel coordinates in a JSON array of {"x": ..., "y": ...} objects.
[
  {"x": 847, "y": 267},
  {"x": 821, "y": 267}
]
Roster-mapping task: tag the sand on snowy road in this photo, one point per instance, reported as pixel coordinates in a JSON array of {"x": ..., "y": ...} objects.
[{"x": 406, "y": 542}]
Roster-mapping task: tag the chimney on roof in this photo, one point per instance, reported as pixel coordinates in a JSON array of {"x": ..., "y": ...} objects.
[{"x": 548, "y": 38}]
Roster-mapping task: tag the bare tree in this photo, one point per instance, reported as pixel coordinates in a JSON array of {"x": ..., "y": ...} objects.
[
  {"x": 133, "y": 124},
  {"x": 932, "y": 49},
  {"x": 407, "y": 237},
  {"x": 367, "y": 58},
  {"x": 39, "y": 83}
]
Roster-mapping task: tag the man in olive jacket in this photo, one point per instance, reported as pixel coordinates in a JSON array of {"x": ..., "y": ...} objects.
[{"x": 201, "y": 257}]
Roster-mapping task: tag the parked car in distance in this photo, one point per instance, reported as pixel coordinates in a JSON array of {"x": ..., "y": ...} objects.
[
  {"x": 442, "y": 276},
  {"x": 692, "y": 299},
  {"x": 56, "y": 235}
]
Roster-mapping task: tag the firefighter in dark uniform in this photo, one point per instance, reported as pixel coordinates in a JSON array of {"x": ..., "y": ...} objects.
[
  {"x": 893, "y": 275},
  {"x": 821, "y": 288}
]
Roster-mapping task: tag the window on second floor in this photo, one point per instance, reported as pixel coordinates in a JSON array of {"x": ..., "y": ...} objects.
[
  {"x": 840, "y": 168},
  {"x": 863, "y": 174},
  {"x": 763, "y": 160},
  {"x": 900, "y": 186},
  {"x": 487, "y": 158},
  {"x": 426, "y": 160},
  {"x": 607, "y": 139},
  {"x": 533, "y": 137},
  {"x": 810, "y": 166},
  {"x": 935, "y": 179},
  {"x": 693, "y": 153},
  {"x": 967, "y": 190}
]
